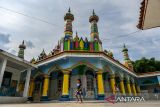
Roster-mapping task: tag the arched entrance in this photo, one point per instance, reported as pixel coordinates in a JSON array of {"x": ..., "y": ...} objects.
[
  {"x": 91, "y": 84},
  {"x": 107, "y": 88},
  {"x": 117, "y": 83},
  {"x": 55, "y": 85},
  {"x": 37, "y": 93},
  {"x": 88, "y": 79}
]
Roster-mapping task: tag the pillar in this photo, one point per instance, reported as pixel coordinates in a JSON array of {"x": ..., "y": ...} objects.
[
  {"x": 65, "y": 88},
  {"x": 26, "y": 87},
  {"x": 129, "y": 88},
  {"x": 31, "y": 88},
  {"x": 45, "y": 88},
  {"x": 2, "y": 69},
  {"x": 100, "y": 86},
  {"x": 122, "y": 89},
  {"x": 138, "y": 89},
  {"x": 20, "y": 86},
  {"x": 134, "y": 90},
  {"x": 112, "y": 83}
]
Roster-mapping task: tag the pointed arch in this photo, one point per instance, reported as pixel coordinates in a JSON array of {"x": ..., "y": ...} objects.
[
  {"x": 38, "y": 74},
  {"x": 119, "y": 74},
  {"x": 126, "y": 77},
  {"x": 89, "y": 65},
  {"x": 54, "y": 68},
  {"x": 106, "y": 68}
]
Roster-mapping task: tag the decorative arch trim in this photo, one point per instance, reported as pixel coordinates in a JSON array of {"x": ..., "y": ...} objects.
[
  {"x": 54, "y": 68},
  {"x": 38, "y": 74},
  {"x": 86, "y": 64}
]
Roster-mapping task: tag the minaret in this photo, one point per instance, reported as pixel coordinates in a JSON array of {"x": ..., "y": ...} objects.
[
  {"x": 127, "y": 61},
  {"x": 68, "y": 18},
  {"x": 22, "y": 47},
  {"x": 93, "y": 19}
]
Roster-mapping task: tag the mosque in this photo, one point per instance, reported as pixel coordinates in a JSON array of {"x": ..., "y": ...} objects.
[{"x": 74, "y": 57}]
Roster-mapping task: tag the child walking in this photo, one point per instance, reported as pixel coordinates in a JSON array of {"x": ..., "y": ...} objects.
[{"x": 79, "y": 91}]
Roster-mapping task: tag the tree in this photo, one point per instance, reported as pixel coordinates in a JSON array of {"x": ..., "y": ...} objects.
[{"x": 146, "y": 65}]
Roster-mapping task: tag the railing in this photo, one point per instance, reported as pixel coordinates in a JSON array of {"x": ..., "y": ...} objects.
[
  {"x": 151, "y": 96},
  {"x": 84, "y": 93},
  {"x": 9, "y": 91}
]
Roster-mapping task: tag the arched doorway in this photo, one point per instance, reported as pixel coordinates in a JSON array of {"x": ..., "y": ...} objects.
[
  {"x": 91, "y": 84},
  {"x": 117, "y": 83},
  {"x": 55, "y": 85},
  {"x": 88, "y": 79},
  {"x": 132, "y": 91},
  {"x": 37, "y": 93},
  {"x": 107, "y": 88}
]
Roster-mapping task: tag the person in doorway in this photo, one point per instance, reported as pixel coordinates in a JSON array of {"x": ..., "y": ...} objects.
[
  {"x": 79, "y": 91},
  {"x": 116, "y": 90}
]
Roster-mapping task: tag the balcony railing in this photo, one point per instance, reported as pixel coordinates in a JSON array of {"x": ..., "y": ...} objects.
[{"x": 9, "y": 91}]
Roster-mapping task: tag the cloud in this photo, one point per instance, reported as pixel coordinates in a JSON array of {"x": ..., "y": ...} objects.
[
  {"x": 117, "y": 17},
  {"x": 29, "y": 44},
  {"x": 4, "y": 39}
]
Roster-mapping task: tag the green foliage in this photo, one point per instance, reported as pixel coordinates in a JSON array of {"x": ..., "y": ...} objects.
[{"x": 146, "y": 65}]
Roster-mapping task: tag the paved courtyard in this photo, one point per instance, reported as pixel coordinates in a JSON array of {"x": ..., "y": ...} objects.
[{"x": 85, "y": 104}]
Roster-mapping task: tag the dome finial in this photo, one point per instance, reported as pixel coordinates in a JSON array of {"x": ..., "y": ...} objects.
[
  {"x": 69, "y": 10},
  {"x": 23, "y": 42},
  {"x": 124, "y": 45},
  {"x": 93, "y": 12},
  {"x": 76, "y": 33}
]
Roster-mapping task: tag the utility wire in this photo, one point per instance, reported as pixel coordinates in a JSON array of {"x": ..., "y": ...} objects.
[
  {"x": 55, "y": 25},
  {"x": 31, "y": 17},
  {"x": 120, "y": 36}
]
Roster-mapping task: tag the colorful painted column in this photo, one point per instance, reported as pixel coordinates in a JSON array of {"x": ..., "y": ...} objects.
[
  {"x": 134, "y": 90},
  {"x": 112, "y": 83},
  {"x": 45, "y": 88},
  {"x": 138, "y": 89},
  {"x": 100, "y": 86},
  {"x": 31, "y": 88},
  {"x": 20, "y": 86},
  {"x": 128, "y": 88},
  {"x": 122, "y": 89},
  {"x": 65, "y": 89}
]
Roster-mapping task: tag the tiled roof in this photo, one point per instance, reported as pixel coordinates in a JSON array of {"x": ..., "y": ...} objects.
[{"x": 142, "y": 14}]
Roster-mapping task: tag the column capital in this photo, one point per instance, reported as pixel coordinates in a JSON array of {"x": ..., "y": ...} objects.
[
  {"x": 133, "y": 83},
  {"x": 66, "y": 71},
  {"x": 128, "y": 82},
  {"x": 112, "y": 76},
  {"x": 99, "y": 72},
  {"x": 46, "y": 76},
  {"x": 121, "y": 79},
  {"x": 31, "y": 79}
]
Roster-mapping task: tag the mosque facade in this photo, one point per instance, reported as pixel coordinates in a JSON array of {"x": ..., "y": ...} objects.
[{"x": 74, "y": 57}]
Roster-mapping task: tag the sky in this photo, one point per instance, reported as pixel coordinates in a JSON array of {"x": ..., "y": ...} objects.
[{"x": 117, "y": 19}]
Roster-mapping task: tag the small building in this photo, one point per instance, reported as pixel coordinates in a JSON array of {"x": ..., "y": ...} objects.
[
  {"x": 14, "y": 78},
  {"x": 149, "y": 14}
]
